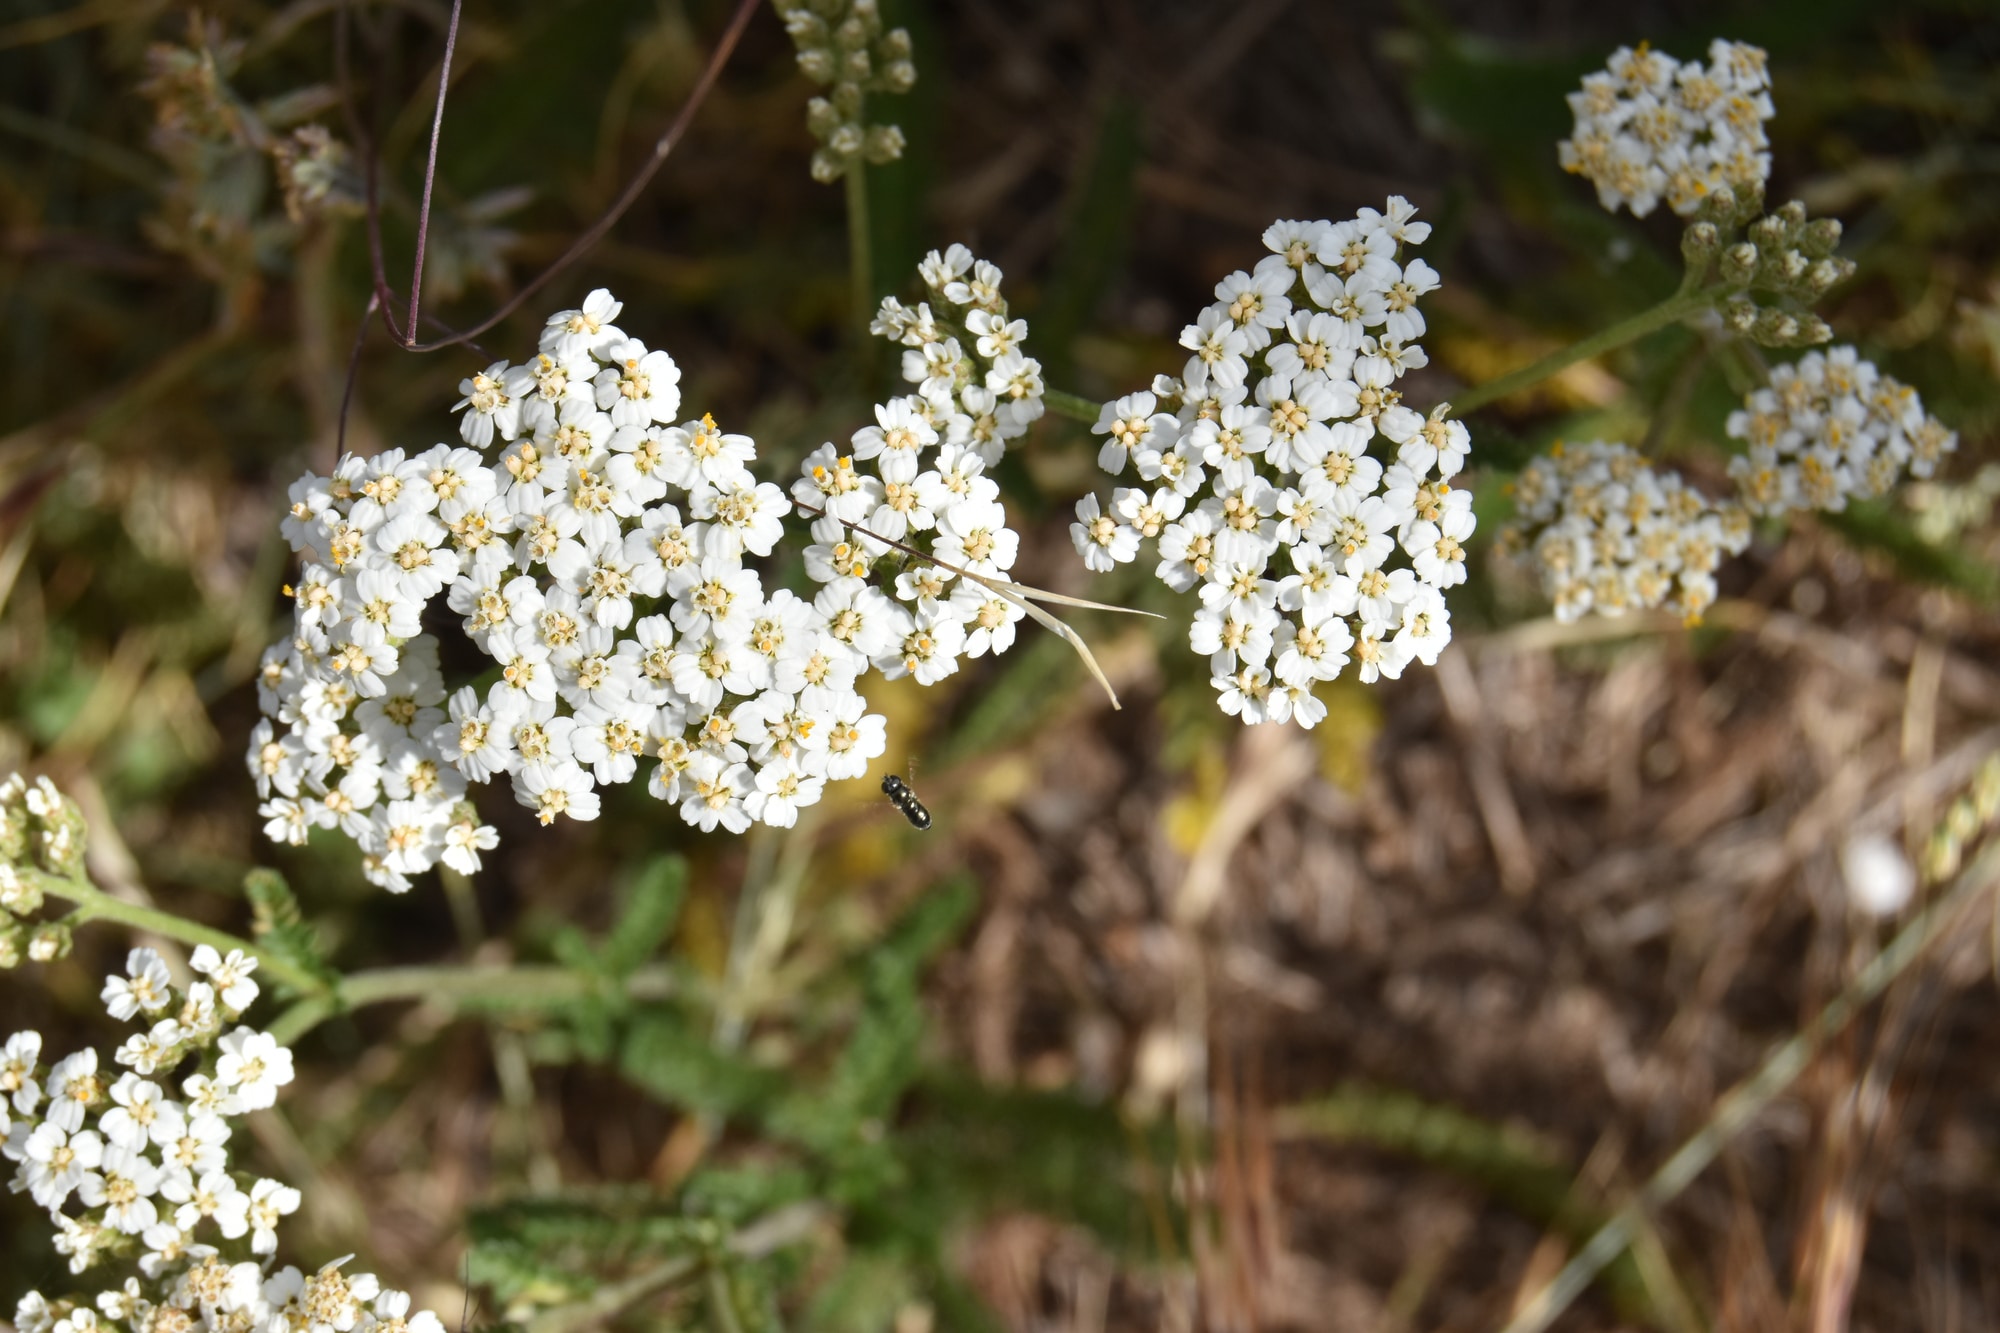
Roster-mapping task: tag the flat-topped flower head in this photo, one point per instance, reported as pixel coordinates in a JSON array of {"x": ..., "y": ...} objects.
[
  {"x": 913, "y": 486},
  {"x": 597, "y": 558},
  {"x": 1607, "y": 533},
  {"x": 1650, "y": 128},
  {"x": 1259, "y": 491},
  {"x": 1827, "y": 428},
  {"x": 138, "y": 1181}
]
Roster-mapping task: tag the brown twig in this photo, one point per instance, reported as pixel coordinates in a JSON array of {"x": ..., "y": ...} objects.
[
  {"x": 353, "y": 375},
  {"x": 430, "y": 178},
  {"x": 599, "y": 229},
  {"x": 364, "y": 141},
  {"x": 383, "y": 297}
]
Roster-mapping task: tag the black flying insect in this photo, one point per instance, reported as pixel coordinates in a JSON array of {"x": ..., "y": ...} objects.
[{"x": 900, "y": 796}]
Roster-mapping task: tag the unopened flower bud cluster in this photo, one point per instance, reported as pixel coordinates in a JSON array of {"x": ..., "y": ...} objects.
[
  {"x": 1830, "y": 427},
  {"x": 1779, "y": 264},
  {"x": 842, "y": 46},
  {"x": 1263, "y": 447},
  {"x": 1608, "y": 533},
  {"x": 133, "y": 1167},
  {"x": 917, "y": 479},
  {"x": 1649, "y": 127},
  {"x": 599, "y": 561}
]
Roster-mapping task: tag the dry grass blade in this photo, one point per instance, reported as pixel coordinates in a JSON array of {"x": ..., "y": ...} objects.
[
  {"x": 1060, "y": 599},
  {"x": 1742, "y": 1103},
  {"x": 1049, "y": 622},
  {"x": 1020, "y": 594}
]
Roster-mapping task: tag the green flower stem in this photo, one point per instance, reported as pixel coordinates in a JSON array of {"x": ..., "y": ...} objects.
[
  {"x": 515, "y": 986},
  {"x": 1072, "y": 405},
  {"x": 1676, "y": 307},
  {"x": 528, "y": 986},
  {"x": 860, "y": 253},
  {"x": 94, "y": 904},
  {"x": 721, "y": 1306},
  {"x": 300, "y": 1019},
  {"x": 497, "y": 985}
]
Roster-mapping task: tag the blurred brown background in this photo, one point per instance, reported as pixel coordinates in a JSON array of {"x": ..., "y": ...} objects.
[{"x": 1363, "y": 1028}]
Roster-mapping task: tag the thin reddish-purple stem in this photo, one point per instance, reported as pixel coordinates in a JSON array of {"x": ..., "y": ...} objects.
[{"x": 430, "y": 177}]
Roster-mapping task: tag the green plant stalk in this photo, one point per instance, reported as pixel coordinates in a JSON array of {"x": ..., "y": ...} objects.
[
  {"x": 532, "y": 985},
  {"x": 860, "y": 255},
  {"x": 1676, "y": 307},
  {"x": 614, "y": 1298},
  {"x": 721, "y": 1308},
  {"x": 526, "y": 986},
  {"x": 763, "y": 926},
  {"x": 1742, "y": 1103},
  {"x": 1072, "y": 405},
  {"x": 769, "y": 1234},
  {"x": 94, "y": 904},
  {"x": 500, "y": 985}
]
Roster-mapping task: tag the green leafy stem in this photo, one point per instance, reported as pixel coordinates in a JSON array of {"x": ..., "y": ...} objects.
[{"x": 318, "y": 994}]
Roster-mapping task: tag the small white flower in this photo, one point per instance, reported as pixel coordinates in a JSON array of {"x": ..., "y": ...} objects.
[
  {"x": 54, "y": 1161},
  {"x": 928, "y": 649},
  {"x": 333, "y": 1302},
  {"x": 716, "y": 790},
  {"x": 782, "y": 789},
  {"x": 464, "y": 840},
  {"x": 492, "y": 412},
  {"x": 637, "y": 386},
  {"x": 214, "y": 1195},
  {"x": 1102, "y": 541},
  {"x": 392, "y": 1315},
  {"x": 141, "y": 1115},
  {"x": 230, "y": 976},
  {"x": 253, "y": 1067},
  {"x": 588, "y": 330},
  {"x": 149, "y": 1051},
  {"x": 269, "y": 1201},
  {"x": 18, "y": 1061},
  {"x": 146, "y": 986},
  {"x": 74, "y": 1088},
  {"x": 558, "y": 788},
  {"x": 123, "y": 1186},
  {"x": 854, "y": 737}
]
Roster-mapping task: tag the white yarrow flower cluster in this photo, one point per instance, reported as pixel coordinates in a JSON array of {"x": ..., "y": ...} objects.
[
  {"x": 1608, "y": 533},
  {"x": 598, "y": 560},
  {"x": 1263, "y": 445},
  {"x": 134, "y": 1170},
  {"x": 1649, "y": 127},
  {"x": 130, "y": 1156},
  {"x": 841, "y": 45},
  {"x": 917, "y": 478},
  {"x": 1828, "y": 427}
]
